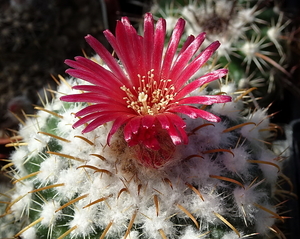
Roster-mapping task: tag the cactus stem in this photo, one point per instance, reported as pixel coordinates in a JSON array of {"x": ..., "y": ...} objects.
[
  {"x": 54, "y": 136},
  {"x": 67, "y": 232},
  {"x": 26, "y": 177},
  {"x": 130, "y": 224},
  {"x": 106, "y": 230},
  {"x": 162, "y": 233},
  {"x": 84, "y": 139},
  {"x": 228, "y": 180},
  {"x": 227, "y": 223},
  {"x": 217, "y": 151},
  {"x": 195, "y": 190},
  {"x": 237, "y": 127},
  {"x": 96, "y": 169},
  {"x": 199, "y": 127},
  {"x": 29, "y": 226},
  {"x": 97, "y": 201},
  {"x": 188, "y": 214},
  {"x": 66, "y": 156},
  {"x": 48, "y": 111},
  {"x": 47, "y": 187},
  {"x": 71, "y": 202},
  {"x": 264, "y": 162}
]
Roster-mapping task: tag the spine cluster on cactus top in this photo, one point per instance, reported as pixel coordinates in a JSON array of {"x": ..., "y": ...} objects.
[
  {"x": 69, "y": 185},
  {"x": 254, "y": 37}
]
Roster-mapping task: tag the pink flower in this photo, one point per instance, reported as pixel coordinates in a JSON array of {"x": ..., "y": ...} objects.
[{"x": 144, "y": 93}]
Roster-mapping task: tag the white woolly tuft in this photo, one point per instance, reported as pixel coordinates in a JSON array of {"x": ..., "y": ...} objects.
[
  {"x": 237, "y": 163},
  {"x": 264, "y": 220},
  {"x": 83, "y": 219},
  {"x": 23, "y": 198},
  {"x": 191, "y": 233},
  {"x": 48, "y": 213},
  {"x": 30, "y": 233},
  {"x": 18, "y": 157},
  {"x": 50, "y": 169},
  {"x": 270, "y": 171},
  {"x": 230, "y": 109}
]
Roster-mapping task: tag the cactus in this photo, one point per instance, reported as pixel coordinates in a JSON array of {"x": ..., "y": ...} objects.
[
  {"x": 213, "y": 177},
  {"x": 254, "y": 37}
]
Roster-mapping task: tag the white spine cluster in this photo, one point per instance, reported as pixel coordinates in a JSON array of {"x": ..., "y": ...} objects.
[
  {"x": 252, "y": 37},
  {"x": 69, "y": 185}
]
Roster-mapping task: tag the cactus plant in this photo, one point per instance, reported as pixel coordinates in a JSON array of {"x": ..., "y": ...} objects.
[
  {"x": 254, "y": 37},
  {"x": 179, "y": 171}
]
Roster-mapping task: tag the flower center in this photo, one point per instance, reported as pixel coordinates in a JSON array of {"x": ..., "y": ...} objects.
[{"x": 151, "y": 97}]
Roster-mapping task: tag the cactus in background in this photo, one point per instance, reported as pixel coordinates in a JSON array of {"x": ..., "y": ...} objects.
[
  {"x": 254, "y": 40},
  {"x": 150, "y": 164}
]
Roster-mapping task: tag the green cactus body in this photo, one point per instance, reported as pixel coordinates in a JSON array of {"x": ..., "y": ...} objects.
[{"x": 69, "y": 185}]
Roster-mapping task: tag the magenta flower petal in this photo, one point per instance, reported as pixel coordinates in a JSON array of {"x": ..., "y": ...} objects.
[
  {"x": 197, "y": 63},
  {"x": 186, "y": 56},
  {"x": 119, "y": 121},
  {"x": 171, "y": 49},
  {"x": 209, "y": 77},
  {"x": 106, "y": 57},
  {"x": 146, "y": 91},
  {"x": 194, "y": 113}
]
